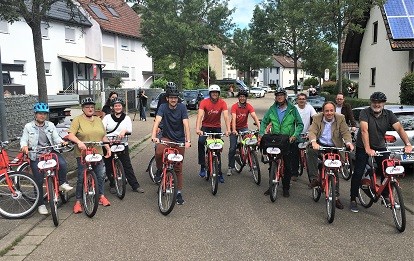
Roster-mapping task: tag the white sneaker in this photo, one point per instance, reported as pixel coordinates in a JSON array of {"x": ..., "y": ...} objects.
[
  {"x": 229, "y": 172},
  {"x": 42, "y": 210},
  {"x": 65, "y": 187}
]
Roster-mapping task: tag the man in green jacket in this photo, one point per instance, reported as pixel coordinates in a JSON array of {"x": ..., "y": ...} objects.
[{"x": 285, "y": 119}]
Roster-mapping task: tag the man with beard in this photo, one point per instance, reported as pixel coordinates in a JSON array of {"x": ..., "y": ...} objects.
[{"x": 374, "y": 121}]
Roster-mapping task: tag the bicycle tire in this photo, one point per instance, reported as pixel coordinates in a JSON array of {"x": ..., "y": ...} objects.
[
  {"x": 64, "y": 196},
  {"x": 316, "y": 193},
  {"x": 152, "y": 168},
  {"x": 53, "y": 200},
  {"x": 25, "y": 167},
  {"x": 90, "y": 193},
  {"x": 215, "y": 176},
  {"x": 26, "y": 199},
  {"x": 364, "y": 198},
  {"x": 330, "y": 199},
  {"x": 273, "y": 180},
  {"x": 120, "y": 179},
  {"x": 167, "y": 194},
  {"x": 346, "y": 169},
  {"x": 208, "y": 170},
  {"x": 255, "y": 167},
  {"x": 238, "y": 162},
  {"x": 398, "y": 208}
]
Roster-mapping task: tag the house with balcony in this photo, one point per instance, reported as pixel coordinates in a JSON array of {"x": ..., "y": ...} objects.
[{"x": 385, "y": 50}]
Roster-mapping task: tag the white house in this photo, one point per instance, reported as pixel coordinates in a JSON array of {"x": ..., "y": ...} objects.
[{"x": 384, "y": 54}]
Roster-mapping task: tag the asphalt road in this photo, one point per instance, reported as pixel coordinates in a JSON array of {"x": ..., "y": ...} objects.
[{"x": 239, "y": 223}]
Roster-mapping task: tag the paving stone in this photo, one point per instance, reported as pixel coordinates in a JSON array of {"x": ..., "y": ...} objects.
[
  {"x": 12, "y": 258},
  {"x": 21, "y": 250},
  {"x": 42, "y": 231},
  {"x": 31, "y": 240}
]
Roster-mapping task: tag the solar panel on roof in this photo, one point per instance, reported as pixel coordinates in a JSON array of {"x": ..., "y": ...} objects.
[{"x": 400, "y": 15}]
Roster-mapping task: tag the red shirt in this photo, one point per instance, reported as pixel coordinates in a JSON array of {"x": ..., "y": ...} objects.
[
  {"x": 212, "y": 112},
  {"x": 242, "y": 114}
]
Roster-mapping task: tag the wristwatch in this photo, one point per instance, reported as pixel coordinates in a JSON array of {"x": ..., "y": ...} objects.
[
  {"x": 408, "y": 144},
  {"x": 189, "y": 141}
]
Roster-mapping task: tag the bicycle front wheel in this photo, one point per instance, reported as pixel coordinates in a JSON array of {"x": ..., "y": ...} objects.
[
  {"x": 330, "y": 199},
  {"x": 347, "y": 168},
  {"x": 53, "y": 200},
  {"x": 398, "y": 208},
  {"x": 23, "y": 201},
  {"x": 214, "y": 176},
  {"x": 152, "y": 168},
  {"x": 120, "y": 179},
  {"x": 255, "y": 167},
  {"x": 90, "y": 193},
  {"x": 274, "y": 179},
  {"x": 25, "y": 167},
  {"x": 167, "y": 193}
]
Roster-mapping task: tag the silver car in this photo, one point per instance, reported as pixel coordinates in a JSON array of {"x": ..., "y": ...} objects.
[{"x": 405, "y": 114}]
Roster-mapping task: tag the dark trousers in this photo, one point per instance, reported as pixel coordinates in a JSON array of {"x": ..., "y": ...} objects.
[
  {"x": 361, "y": 160},
  {"x": 126, "y": 163},
  {"x": 295, "y": 155},
  {"x": 287, "y": 172},
  {"x": 142, "y": 114},
  {"x": 201, "y": 149}
]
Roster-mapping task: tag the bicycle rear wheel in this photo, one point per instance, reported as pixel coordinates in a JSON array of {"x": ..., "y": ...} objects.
[
  {"x": 255, "y": 167},
  {"x": 214, "y": 176},
  {"x": 238, "y": 164},
  {"x": 90, "y": 193},
  {"x": 274, "y": 179},
  {"x": 330, "y": 199},
  {"x": 152, "y": 168},
  {"x": 120, "y": 179},
  {"x": 53, "y": 200},
  {"x": 25, "y": 167},
  {"x": 398, "y": 209},
  {"x": 24, "y": 201},
  {"x": 167, "y": 193}
]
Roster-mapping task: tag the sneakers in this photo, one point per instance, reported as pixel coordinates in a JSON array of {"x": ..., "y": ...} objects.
[
  {"x": 354, "y": 207},
  {"x": 229, "y": 172},
  {"x": 104, "y": 201},
  {"x": 286, "y": 193},
  {"x": 77, "y": 208},
  {"x": 202, "y": 172},
  {"x": 42, "y": 210},
  {"x": 339, "y": 204},
  {"x": 180, "y": 199},
  {"x": 221, "y": 178},
  {"x": 112, "y": 190},
  {"x": 65, "y": 187},
  {"x": 138, "y": 189}
]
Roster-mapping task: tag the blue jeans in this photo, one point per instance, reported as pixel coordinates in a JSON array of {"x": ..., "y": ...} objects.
[
  {"x": 142, "y": 113},
  {"x": 63, "y": 169},
  {"x": 99, "y": 169},
  {"x": 233, "y": 146},
  {"x": 201, "y": 148}
]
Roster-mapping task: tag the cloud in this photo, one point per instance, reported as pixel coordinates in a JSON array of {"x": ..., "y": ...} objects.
[{"x": 244, "y": 11}]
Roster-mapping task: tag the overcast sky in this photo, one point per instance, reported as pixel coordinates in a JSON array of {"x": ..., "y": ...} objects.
[{"x": 244, "y": 11}]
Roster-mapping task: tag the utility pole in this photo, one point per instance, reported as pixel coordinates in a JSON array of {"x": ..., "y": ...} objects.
[{"x": 3, "y": 122}]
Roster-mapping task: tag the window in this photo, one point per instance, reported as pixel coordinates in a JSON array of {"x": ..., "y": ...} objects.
[
  {"x": 290, "y": 81},
  {"x": 290, "y": 71},
  {"x": 23, "y": 63},
  {"x": 44, "y": 27},
  {"x": 133, "y": 74},
  {"x": 277, "y": 70},
  {"x": 271, "y": 69},
  {"x": 47, "y": 68},
  {"x": 373, "y": 72},
  {"x": 112, "y": 11},
  {"x": 97, "y": 11},
  {"x": 375, "y": 33},
  {"x": 126, "y": 68},
  {"x": 4, "y": 27},
  {"x": 124, "y": 44},
  {"x": 69, "y": 34}
]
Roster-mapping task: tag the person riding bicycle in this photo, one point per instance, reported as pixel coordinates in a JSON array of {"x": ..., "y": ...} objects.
[
  {"x": 176, "y": 128},
  {"x": 306, "y": 112},
  {"x": 344, "y": 108},
  {"x": 284, "y": 119},
  {"x": 239, "y": 116},
  {"x": 374, "y": 121},
  {"x": 87, "y": 127},
  {"x": 209, "y": 120},
  {"x": 117, "y": 124},
  {"x": 163, "y": 96},
  {"x": 328, "y": 129},
  {"x": 41, "y": 133}
]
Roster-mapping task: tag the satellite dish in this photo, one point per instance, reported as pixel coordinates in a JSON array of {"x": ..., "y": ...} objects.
[{"x": 172, "y": 66}]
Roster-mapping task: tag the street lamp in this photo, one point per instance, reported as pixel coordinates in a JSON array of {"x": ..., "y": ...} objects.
[{"x": 208, "y": 48}]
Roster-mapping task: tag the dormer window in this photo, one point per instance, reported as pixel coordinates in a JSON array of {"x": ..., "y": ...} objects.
[
  {"x": 112, "y": 11},
  {"x": 97, "y": 11}
]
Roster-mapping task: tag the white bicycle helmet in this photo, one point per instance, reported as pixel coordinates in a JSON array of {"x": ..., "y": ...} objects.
[{"x": 214, "y": 88}]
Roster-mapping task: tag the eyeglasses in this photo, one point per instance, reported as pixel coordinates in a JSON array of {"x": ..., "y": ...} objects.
[
  {"x": 301, "y": 99},
  {"x": 340, "y": 99}
]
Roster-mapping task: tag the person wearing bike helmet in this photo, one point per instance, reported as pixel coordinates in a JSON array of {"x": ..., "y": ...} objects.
[
  {"x": 117, "y": 124},
  {"x": 174, "y": 118},
  {"x": 40, "y": 133},
  {"x": 284, "y": 119},
  {"x": 163, "y": 97},
  {"x": 239, "y": 116},
  {"x": 209, "y": 120},
  {"x": 87, "y": 127},
  {"x": 374, "y": 121}
]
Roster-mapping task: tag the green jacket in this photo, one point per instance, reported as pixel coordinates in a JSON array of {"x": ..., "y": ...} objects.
[{"x": 291, "y": 123}]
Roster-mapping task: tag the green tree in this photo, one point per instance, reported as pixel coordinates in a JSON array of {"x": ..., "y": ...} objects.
[
  {"x": 319, "y": 56},
  {"x": 407, "y": 89},
  {"x": 242, "y": 53},
  {"x": 178, "y": 29},
  {"x": 285, "y": 27}
]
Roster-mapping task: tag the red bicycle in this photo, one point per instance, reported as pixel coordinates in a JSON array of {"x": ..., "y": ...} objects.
[
  {"x": 214, "y": 146},
  {"x": 303, "y": 162},
  {"x": 246, "y": 153}
]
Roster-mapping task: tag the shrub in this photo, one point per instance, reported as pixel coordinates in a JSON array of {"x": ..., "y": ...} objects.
[
  {"x": 407, "y": 89},
  {"x": 353, "y": 102},
  {"x": 311, "y": 81},
  {"x": 159, "y": 83},
  {"x": 115, "y": 83},
  {"x": 329, "y": 87}
]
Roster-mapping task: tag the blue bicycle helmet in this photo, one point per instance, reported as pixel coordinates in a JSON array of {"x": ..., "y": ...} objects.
[{"x": 41, "y": 107}]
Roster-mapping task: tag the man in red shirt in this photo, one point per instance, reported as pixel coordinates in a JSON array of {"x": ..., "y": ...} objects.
[
  {"x": 239, "y": 115},
  {"x": 209, "y": 120}
]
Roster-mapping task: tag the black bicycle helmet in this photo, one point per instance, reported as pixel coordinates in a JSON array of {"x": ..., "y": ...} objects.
[
  {"x": 172, "y": 91},
  {"x": 280, "y": 90},
  {"x": 170, "y": 85},
  {"x": 378, "y": 96},
  {"x": 117, "y": 100},
  {"x": 87, "y": 100},
  {"x": 41, "y": 107},
  {"x": 243, "y": 92}
]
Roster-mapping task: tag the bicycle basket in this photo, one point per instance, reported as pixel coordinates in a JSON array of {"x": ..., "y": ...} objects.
[
  {"x": 252, "y": 140},
  {"x": 393, "y": 167},
  {"x": 275, "y": 140},
  {"x": 214, "y": 144}
]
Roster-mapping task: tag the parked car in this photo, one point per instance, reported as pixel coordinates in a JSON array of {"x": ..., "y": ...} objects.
[
  {"x": 266, "y": 88},
  {"x": 316, "y": 102},
  {"x": 192, "y": 99},
  {"x": 405, "y": 114},
  {"x": 238, "y": 84},
  {"x": 204, "y": 93},
  {"x": 292, "y": 87},
  {"x": 153, "y": 105},
  {"x": 291, "y": 97},
  {"x": 257, "y": 91}
]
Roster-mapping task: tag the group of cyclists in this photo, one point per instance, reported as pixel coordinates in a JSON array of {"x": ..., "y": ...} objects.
[{"x": 330, "y": 128}]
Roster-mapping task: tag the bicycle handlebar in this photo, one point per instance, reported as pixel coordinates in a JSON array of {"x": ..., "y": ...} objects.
[
  {"x": 241, "y": 133},
  {"x": 322, "y": 148},
  {"x": 213, "y": 134},
  {"x": 50, "y": 147},
  {"x": 180, "y": 144}
]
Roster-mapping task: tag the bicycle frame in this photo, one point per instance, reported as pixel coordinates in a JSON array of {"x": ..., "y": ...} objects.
[
  {"x": 168, "y": 163},
  {"x": 214, "y": 147},
  {"x": 331, "y": 162}
]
